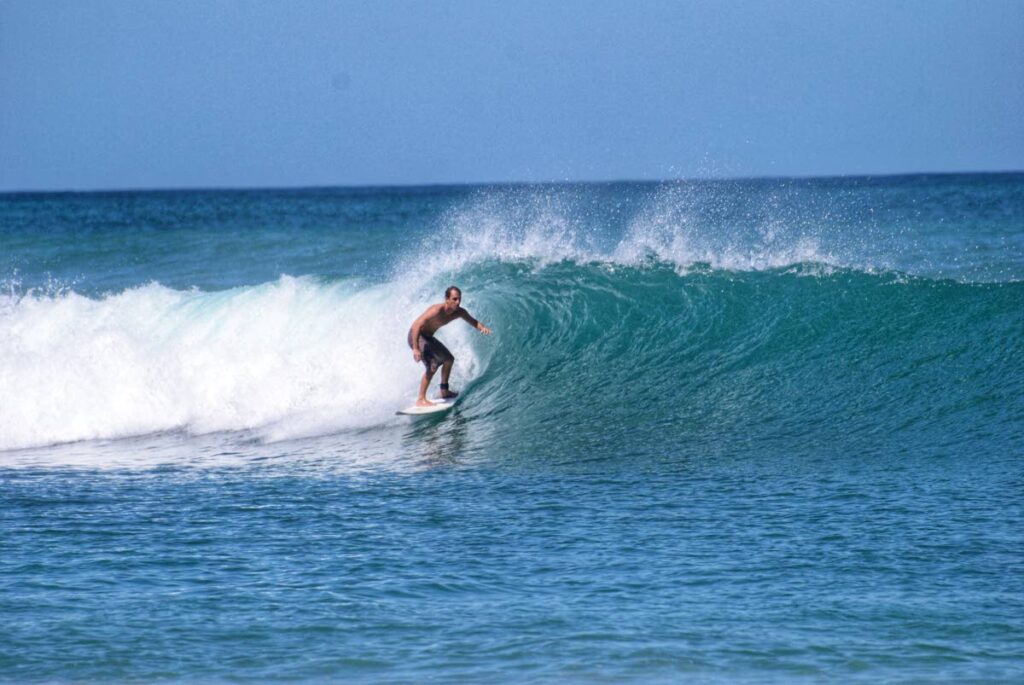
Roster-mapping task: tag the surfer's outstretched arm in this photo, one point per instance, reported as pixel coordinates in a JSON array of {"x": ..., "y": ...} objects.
[{"x": 473, "y": 322}]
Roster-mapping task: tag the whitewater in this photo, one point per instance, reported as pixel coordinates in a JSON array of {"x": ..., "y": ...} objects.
[{"x": 725, "y": 431}]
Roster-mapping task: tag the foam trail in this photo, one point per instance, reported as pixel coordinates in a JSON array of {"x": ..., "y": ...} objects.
[{"x": 284, "y": 359}]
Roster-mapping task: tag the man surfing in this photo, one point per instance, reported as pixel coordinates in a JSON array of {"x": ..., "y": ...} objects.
[{"x": 429, "y": 350}]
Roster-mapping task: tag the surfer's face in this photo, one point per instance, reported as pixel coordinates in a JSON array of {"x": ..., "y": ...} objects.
[{"x": 451, "y": 303}]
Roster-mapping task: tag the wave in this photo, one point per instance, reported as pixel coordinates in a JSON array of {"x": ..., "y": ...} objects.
[{"x": 633, "y": 348}]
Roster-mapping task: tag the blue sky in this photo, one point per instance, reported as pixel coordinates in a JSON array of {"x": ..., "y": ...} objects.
[{"x": 145, "y": 94}]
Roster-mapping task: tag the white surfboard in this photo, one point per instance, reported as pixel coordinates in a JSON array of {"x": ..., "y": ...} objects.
[{"x": 439, "y": 405}]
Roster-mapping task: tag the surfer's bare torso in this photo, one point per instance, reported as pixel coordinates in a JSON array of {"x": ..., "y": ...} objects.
[{"x": 437, "y": 316}]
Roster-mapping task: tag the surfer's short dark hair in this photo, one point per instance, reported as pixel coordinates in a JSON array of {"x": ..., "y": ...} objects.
[{"x": 448, "y": 292}]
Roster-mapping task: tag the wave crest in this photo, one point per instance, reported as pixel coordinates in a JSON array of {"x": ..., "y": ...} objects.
[{"x": 674, "y": 224}]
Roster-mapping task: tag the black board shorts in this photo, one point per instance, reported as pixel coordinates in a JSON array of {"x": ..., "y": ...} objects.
[{"x": 433, "y": 353}]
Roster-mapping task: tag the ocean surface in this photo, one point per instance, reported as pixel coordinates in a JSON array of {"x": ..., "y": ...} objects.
[{"x": 751, "y": 431}]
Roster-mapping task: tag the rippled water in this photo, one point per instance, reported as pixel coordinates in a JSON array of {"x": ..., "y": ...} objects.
[{"x": 765, "y": 431}]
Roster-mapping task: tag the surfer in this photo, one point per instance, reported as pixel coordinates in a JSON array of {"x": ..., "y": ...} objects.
[{"x": 429, "y": 350}]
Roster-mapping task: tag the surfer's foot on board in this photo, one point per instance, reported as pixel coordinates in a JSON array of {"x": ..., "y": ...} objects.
[
  {"x": 424, "y": 402},
  {"x": 446, "y": 393}
]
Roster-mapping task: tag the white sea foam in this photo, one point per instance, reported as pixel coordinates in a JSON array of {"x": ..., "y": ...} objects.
[
  {"x": 284, "y": 359},
  {"x": 546, "y": 228}
]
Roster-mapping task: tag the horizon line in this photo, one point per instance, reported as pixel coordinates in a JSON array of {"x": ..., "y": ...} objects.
[{"x": 471, "y": 184}]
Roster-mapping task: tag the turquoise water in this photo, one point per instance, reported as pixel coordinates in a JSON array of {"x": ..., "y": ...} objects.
[{"x": 724, "y": 431}]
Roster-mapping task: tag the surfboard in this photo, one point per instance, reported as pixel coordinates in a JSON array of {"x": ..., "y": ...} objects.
[{"x": 439, "y": 405}]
